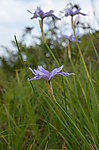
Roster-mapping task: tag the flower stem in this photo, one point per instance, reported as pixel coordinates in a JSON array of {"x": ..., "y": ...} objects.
[
  {"x": 50, "y": 90},
  {"x": 41, "y": 27},
  {"x": 69, "y": 50},
  {"x": 84, "y": 65},
  {"x": 44, "y": 40}
]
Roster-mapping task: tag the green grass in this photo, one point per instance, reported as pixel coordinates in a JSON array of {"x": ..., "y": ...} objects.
[{"x": 31, "y": 119}]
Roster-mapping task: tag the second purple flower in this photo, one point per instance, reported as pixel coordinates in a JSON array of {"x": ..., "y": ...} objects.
[{"x": 70, "y": 12}]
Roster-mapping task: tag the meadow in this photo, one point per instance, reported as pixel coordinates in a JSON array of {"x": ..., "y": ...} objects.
[{"x": 61, "y": 113}]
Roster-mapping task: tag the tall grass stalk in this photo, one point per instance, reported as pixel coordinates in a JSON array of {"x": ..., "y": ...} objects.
[
  {"x": 97, "y": 55},
  {"x": 33, "y": 90},
  {"x": 88, "y": 75},
  {"x": 59, "y": 112},
  {"x": 23, "y": 61},
  {"x": 44, "y": 40}
]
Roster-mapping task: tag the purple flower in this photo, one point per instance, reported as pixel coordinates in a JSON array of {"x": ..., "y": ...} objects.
[
  {"x": 70, "y": 12},
  {"x": 71, "y": 38},
  {"x": 42, "y": 73},
  {"x": 40, "y": 13}
]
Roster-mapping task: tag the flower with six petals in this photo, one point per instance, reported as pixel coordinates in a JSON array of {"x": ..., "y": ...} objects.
[
  {"x": 70, "y": 12},
  {"x": 39, "y": 13},
  {"x": 45, "y": 74}
]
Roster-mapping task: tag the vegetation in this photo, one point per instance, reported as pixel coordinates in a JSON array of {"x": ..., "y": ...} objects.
[{"x": 29, "y": 116}]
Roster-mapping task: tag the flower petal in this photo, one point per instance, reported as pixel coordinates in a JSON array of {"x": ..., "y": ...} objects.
[
  {"x": 55, "y": 17},
  {"x": 65, "y": 74},
  {"x": 32, "y": 71},
  {"x": 59, "y": 69},
  {"x": 69, "y": 12},
  {"x": 76, "y": 11},
  {"x": 41, "y": 69},
  {"x": 35, "y": 78},
  {"x": 48, "y": 13},
  {"x": 36, "y": 72},
  {"x": 82, "y": 14},
  {"x": 52, "y": 74},
  {"x": 66, "y": 36},
  {"x": 72, "y": 38}
]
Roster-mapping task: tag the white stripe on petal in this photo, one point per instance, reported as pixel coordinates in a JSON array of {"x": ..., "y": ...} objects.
[{"x": 32, "y": 71}]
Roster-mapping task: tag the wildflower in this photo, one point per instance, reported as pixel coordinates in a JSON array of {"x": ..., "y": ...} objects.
[
  {"x": 39, "y": 13},
  {"x": 71, "y": 38},
  {"x": 42, "y": 73},
  {"x": 70, "y": 12}
]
